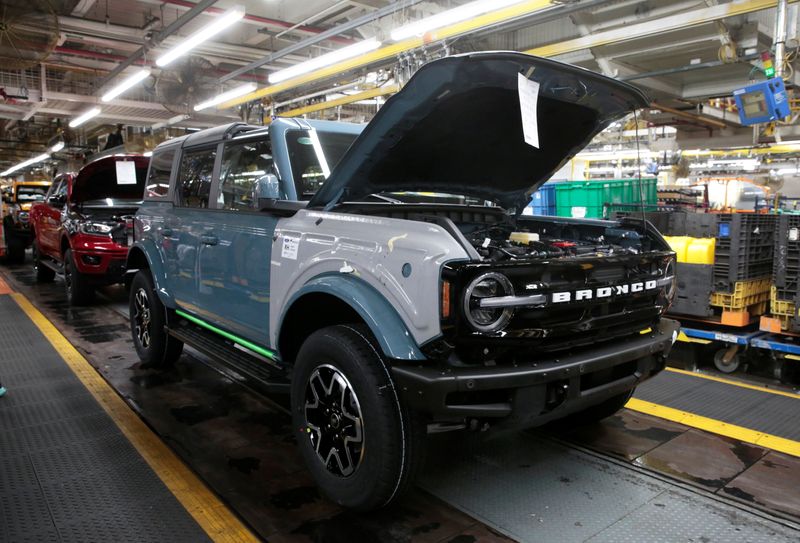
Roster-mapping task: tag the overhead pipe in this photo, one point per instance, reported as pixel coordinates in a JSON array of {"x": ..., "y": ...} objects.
[
  {"x": 780, "y": 37},
  {"x": 348, "y": 99},
  {"x": 109, "y": 57},
  {"x": 689, "y": 116},
  {"x": 350, "y": 25}
]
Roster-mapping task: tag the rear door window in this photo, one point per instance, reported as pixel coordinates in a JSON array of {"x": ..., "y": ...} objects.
[{"x": 196, "y": 171}]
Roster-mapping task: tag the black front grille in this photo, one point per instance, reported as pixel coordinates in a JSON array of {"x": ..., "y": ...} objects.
[{"x": 559, "y": 326}]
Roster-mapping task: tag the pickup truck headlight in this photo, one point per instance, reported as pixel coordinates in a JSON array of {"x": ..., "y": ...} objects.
[
  {"x": 487, "y": 285},
  {"x": 95, "y": 228}
]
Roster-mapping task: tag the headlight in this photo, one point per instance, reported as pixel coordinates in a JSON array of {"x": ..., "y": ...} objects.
[
  {"x": 672, "y": 287},
  {"x": 23, "y": 216},
  {"x": 487, "y": 285},
  {"x": 95, "y": 228}
]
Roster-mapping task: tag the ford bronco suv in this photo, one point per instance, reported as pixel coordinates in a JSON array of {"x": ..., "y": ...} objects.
[
  {"x": 15, "y": 232},
  {"x": 293, "y": 256},
  {"x": 83, "y": 225}
]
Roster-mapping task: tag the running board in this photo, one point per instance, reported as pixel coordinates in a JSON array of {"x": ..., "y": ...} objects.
[
  {"x": 52, "y": 264},
  {"x": 268, "y": 377}
]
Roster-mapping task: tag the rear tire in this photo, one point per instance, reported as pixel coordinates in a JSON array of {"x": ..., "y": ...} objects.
[
  {"x": 79, "y": 291},
  {"x": 148, "y": 318},
  {"x": 361, "y": 445},
  {"x": 43, "y": 273},
  {"x": 602, "y": 410}
]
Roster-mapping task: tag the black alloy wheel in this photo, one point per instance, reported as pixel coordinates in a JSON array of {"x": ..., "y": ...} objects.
[{"x": 334, "y": 421}]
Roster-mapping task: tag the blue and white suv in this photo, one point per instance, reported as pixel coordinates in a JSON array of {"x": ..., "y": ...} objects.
[{"x": 385, "y": 277}]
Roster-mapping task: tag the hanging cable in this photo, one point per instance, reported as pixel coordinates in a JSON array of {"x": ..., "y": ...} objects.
[{"x": 639, "y": 172}]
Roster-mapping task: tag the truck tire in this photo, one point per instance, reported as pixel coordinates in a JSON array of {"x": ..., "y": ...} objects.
[
  {"x": 602, "y": 410},
  {"x": 16, "y": 249},
  {"x": 79, "y": 291},
  {"x": 43, "y": 273},
  {"x": 361, "y": 445},
  {"x": 148, "y": 317}
]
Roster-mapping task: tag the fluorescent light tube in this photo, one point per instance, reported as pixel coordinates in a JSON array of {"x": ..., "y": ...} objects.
[
  {"x": 225, "y": 96},
  {"x": 77, "y": 121},
  {"x": 126, "y": 84},
  {"x": 204, "y": 34},
  {"x": 327, "y": 59},
  {"x": 25, "y": 164},
  {"x": 450, "y": 16},
  {"x": 57, "y": 147}
]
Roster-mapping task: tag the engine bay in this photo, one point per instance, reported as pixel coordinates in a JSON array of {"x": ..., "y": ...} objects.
[{"x": 549, "y": 238}]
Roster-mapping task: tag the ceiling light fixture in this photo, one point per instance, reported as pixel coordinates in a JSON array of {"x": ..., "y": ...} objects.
[
  {"x": 77, "y": 121},
  {"x": 57, "y": 147},
  {"x": 204, "y": 34},
  {"x": 25, "y": 164},
  {"x": 450, "y": 16},
  {"x": 225, "y": 96},
  {"x": 364, "y": 46},
  {"x": 126, "y": 84}
]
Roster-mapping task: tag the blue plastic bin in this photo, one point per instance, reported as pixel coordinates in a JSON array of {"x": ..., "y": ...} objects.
[{"x": 543, "y": 201}]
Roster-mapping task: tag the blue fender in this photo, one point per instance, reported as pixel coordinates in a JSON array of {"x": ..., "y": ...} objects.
[
  {"x": 384, "y": 322},
  {"x": 157, "y": 272}
]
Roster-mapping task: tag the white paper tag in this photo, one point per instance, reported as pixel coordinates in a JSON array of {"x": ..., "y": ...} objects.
[
  {"x": 290, "y": 246},
  {"x": 578, "y": 212},
  {"x": 528, "y": 100},
  {"x": 126, "y": 172}
]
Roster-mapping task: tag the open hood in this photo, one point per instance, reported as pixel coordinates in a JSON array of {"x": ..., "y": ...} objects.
[
  {"x": 456, "y": 127},
  {"x": 98, "y": 181}
]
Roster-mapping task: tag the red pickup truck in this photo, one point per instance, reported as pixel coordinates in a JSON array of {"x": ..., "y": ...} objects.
[{"x": 81, "y": 228}]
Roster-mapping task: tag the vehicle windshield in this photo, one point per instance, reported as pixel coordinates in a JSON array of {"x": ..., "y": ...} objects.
[
  {"x": 313, "y": 154},
  {"x": 31, "y": 193}
]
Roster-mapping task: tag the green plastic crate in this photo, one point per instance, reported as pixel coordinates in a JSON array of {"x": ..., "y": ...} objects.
[{"x": 589, "y": 198}]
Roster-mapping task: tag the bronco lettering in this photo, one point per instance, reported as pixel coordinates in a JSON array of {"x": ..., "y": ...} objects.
[{"x": 602, "y": 292}]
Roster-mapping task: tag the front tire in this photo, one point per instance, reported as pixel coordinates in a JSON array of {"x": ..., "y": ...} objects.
[
  {"x": 361, "y": 445},
  {"x": 148, "y": 318},
  {"x": 79, "y": 291}
]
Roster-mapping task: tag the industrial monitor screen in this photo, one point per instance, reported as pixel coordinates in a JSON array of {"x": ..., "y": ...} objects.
[{"x": 755, "y": 104}]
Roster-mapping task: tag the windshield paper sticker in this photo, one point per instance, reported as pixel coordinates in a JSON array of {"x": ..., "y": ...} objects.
[
  {"x": 126, "y": 173},
  {"x": 528, "y": 100},
  {"x": 290, "y": 246}
]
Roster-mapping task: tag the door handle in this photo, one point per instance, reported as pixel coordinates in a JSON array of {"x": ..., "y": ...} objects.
[
  {"x": 166, "y": 232},
  {"x": 209, "y": 239}
]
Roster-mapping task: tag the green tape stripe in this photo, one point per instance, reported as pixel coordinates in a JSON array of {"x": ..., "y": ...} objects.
[{"x": 243, "y": 342}]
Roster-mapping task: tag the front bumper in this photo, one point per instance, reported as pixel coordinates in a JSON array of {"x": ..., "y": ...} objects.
[{"x": 546, "y": 389}]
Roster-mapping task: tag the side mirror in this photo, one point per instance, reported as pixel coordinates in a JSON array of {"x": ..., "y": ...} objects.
[
  {"x": 7, "y": 199},
  {"x": 266, "y": 190},
  {"x": 58, "y": 201}
]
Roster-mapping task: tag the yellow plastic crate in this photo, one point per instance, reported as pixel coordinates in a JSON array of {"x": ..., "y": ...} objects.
[
  {"x": 752, "y": 294},
  {"x": 780, "y": 307},
  {"x": 691, "y": 250},
  {"x": 782, "y": 310}
]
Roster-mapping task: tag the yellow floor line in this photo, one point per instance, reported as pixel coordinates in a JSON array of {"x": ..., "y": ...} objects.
[
  {"x": 211, "y": 514},
  {"x": 747, "y": 435},
  {"x": 735, "y": 383}
]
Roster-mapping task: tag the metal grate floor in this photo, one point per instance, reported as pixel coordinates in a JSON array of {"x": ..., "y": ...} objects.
[
  {"x": 533, "y": 489},
  {"x": 66, "y": 471},
  {"x": 758, "y": 410}
]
